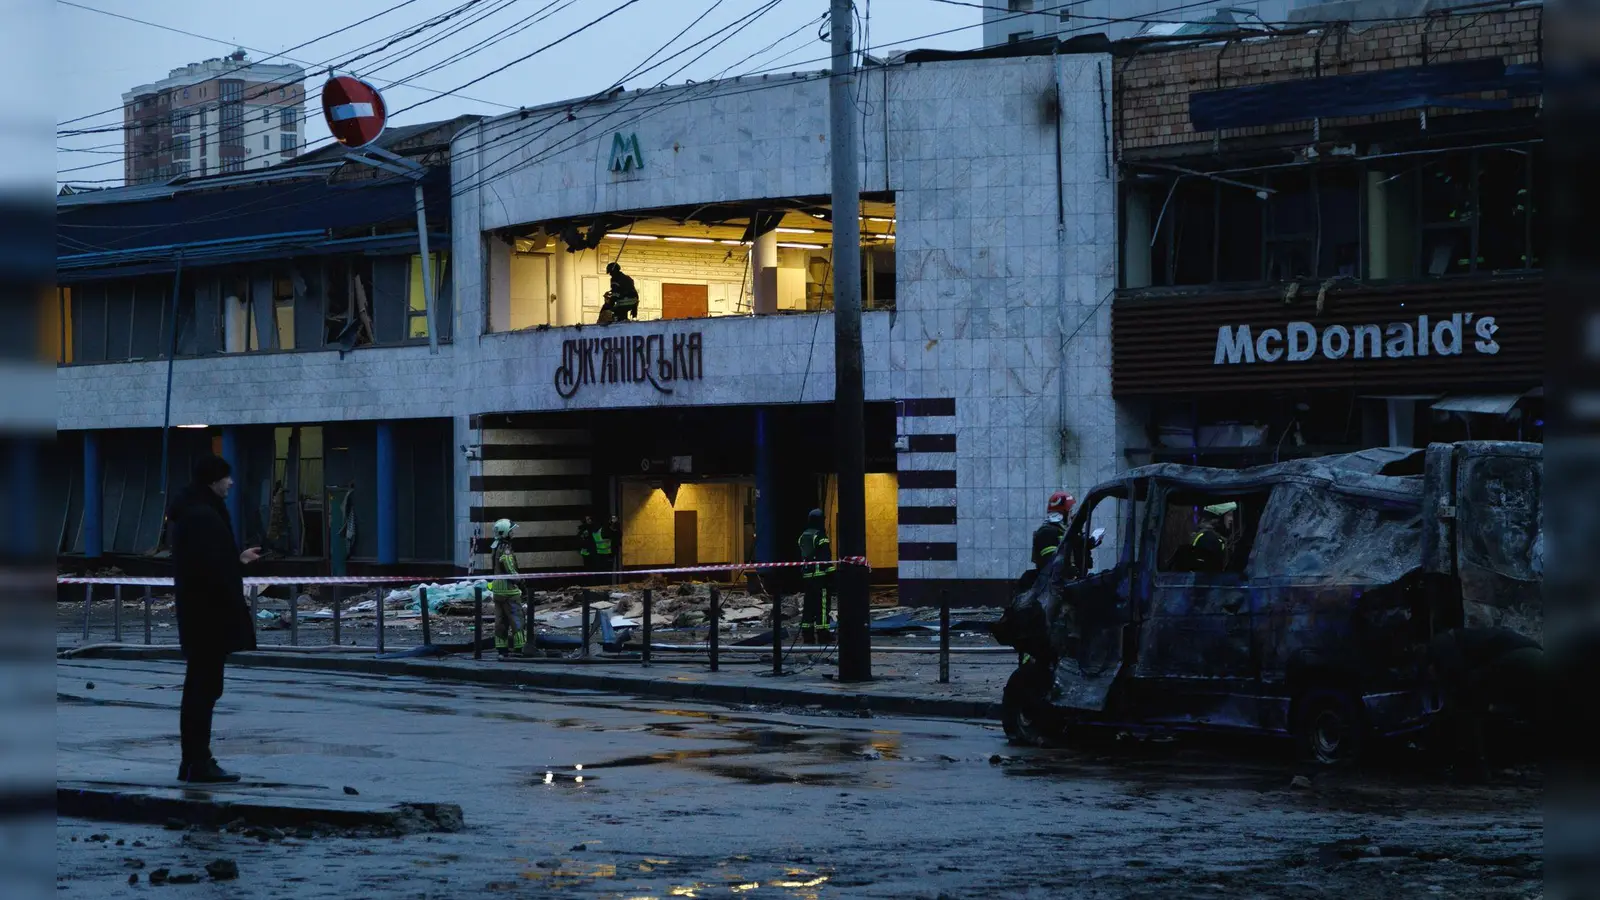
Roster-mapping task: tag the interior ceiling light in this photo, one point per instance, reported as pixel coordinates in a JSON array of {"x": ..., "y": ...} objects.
[
  {"x": 877, "y": 219},
  {"x": 802, "y": 246},
  {"x": 631, "y": 237},
  {"x": 735, "y": 243},
  {"x": 689, "y": 240},
  {"x": 796, "y": 230},
  {"x": 194, "y": 426}
]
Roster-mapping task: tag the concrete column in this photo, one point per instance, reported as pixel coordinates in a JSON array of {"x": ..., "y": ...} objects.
[
  {"x": 230, "y": 452},
  {"x": 1402, "y": 423},
  {"x": 1377, "y": 226},
  {"x": 569, "y": 298},
  {"x": 764, "y": 273},
  {"x": 387, "y": 496},
  {"x": 766, "y": 490},
  {"x": 93, "y": 484},
  {"x": 1136, "y": 232}
]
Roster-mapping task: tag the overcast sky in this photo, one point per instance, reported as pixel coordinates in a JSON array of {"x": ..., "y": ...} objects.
[{"x": 100, "y": 56}]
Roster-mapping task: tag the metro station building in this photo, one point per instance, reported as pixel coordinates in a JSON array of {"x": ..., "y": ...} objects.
[{"x": 987, "y": 257}]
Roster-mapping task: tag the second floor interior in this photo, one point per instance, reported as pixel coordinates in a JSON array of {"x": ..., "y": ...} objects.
[
  {"x": 1421, "y": 210},
  {"x": 336, "y": 302},
  {"x": 771, "y": 257}
]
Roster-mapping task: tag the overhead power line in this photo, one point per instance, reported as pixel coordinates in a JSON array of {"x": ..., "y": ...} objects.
[{"x": 319, "y": 38}]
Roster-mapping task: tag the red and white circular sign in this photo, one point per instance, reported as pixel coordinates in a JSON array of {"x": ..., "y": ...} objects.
[{"x": 354, "y": 110}]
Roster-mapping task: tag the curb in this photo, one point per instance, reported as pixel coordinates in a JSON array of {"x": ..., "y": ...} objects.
[
  {"x": 897, "y": 704},
  {"x": 162, "y": 806}
]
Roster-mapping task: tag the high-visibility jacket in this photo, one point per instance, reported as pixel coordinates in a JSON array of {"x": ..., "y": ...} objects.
[
  {"x": 1046, "y": 542},
  {"x": 817, "y": 550},
  {"x": 603, "y": 544},
  {"x": 505, "y": 563}
]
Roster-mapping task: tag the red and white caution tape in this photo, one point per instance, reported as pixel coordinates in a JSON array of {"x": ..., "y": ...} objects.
[{"x": 144, "y": 581}]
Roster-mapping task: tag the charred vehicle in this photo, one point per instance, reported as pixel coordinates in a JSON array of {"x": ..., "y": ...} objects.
[{"x": 1326, "y": 579}]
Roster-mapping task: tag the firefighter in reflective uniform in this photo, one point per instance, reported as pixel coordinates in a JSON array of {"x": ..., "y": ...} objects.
[
  {"x": 510, "y": 633},
  {"x": 1207, "y": 550},
  {"x": 607, "y": 538},
  {"x": 817, "y": 575}
]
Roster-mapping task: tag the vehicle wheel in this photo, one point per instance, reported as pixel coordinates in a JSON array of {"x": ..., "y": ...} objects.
[
  {"x": 1025, "y": 709},
  {"x": 1329, "y": 727}
]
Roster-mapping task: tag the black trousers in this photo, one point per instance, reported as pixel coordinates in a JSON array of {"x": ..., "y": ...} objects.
[{"x": 202, "y": 687}]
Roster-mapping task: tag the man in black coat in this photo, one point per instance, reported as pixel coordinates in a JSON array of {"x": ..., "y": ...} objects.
[{"x": 213, "y": 616}]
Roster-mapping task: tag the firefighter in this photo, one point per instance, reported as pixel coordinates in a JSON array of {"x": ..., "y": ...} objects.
[
  {"x": 1048, "y": 537},
  {"x": 510, "y": 633},
  {"x": 586, "y": 540},
  {"x": 622, "y": 301},
  {"x": 1207, "y": 549},
  {"x": 607, "y": 541},
  {"x": 817, "y": 552}
]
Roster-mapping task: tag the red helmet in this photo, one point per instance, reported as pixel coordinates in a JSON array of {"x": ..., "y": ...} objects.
[{"x": 1061, "y": 502}]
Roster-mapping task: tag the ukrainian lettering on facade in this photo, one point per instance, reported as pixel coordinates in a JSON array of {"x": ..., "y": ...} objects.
[
  {"x": 655, "y": 359},
  {"x": 1302, "y": 341}
]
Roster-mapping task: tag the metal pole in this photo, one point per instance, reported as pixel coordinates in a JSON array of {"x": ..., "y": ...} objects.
[
  {"x": 855, "y": 642},
  {"x": 527, "y": 624},
  {"x": 477, "y": 621},
  {"x": 944, "y": 637},
  {"x": 716, "y": 624},
  {"x": 422, "y": 602},
  {"x": 147, "y": 616},
  {"x": 294, "y": 616},
  {"x": 380, "y": 620},
  {"x": 172, "y": 356},
  {"x": 116, "y": 614},
  {"x": 777, "y": 633},
  {"x": 427, "y": 272},
  {"x": 338, "y": 600},
  {"x": 585, "y": 595},
  {"x": 88, "y": 601},
  {"x": 649, "y": 608}
]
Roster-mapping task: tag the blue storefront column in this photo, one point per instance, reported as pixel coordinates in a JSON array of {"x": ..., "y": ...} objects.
[
  {"x": 766, "y": 492},
  {"x": 230, "y": 452},
  {"x": 92, "y": 484},
  {"x": 388, "y": 505}
]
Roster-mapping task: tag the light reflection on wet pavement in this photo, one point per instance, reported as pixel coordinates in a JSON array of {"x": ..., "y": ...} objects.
[{"x": 582, "y": 794}]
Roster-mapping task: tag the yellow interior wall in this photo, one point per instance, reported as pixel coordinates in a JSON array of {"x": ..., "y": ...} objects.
[
  {"x": 648, "y": 538},
  {"x": 883, "y": 518}
]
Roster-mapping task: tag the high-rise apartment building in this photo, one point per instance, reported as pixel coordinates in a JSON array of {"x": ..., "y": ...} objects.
[{"x": 221, "y": 115}]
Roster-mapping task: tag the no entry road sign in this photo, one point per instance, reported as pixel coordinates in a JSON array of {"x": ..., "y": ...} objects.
[{"x": 354, "y": 110}]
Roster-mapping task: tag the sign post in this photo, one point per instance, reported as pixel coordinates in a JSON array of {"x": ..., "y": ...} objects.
[{"x": 356, "y": 116}]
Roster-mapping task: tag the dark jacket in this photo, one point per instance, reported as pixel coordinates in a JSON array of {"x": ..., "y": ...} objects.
[
  {"x": 208, "y": 578},
  {"x": 1046, "y": 542}
]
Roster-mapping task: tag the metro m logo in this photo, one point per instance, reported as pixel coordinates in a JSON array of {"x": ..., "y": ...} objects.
[{"x": 625, "y": 155}]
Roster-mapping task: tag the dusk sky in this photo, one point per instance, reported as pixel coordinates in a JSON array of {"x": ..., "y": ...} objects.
[{"x": 102, "y": 56}]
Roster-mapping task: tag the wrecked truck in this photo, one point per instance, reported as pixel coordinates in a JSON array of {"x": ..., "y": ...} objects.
[{"x": 1338, "y": 571}]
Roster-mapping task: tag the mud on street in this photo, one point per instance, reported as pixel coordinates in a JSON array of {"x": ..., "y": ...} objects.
[{"x": 707, "y": 801}]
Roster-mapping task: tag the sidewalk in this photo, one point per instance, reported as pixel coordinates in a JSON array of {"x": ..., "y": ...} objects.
[{"x": 903, "y": 684}]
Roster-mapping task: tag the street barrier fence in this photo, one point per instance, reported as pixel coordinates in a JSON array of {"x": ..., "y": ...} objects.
[{"x": 647, "y": 647}]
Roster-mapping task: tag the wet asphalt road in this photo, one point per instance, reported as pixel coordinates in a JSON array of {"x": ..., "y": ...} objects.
[{"x": 707, "y": 801}]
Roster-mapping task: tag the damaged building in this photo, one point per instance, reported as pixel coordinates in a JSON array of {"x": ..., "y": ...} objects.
[
  {"x": 705, "y": 424},
  {"x": 1330, "y": 233},
  {"x": 278, "y": 319}
]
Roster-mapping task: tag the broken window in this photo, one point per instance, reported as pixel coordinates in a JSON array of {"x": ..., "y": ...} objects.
[
  {"x": 349, "y": 307},
  {"x": 1453, "y": 213},
  {"x": 417, "y": 298},
  {"x": 1208, "y": 532},
  {"x": 772, "y": 257}
]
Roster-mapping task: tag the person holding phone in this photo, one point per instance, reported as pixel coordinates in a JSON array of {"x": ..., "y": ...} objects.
[{"x": 213, "y": 615}]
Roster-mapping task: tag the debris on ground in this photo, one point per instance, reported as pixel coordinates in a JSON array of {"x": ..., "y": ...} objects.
[
  {"x": 159, "y": 876},
  {"x": 350, "y": 790},
  {"x": 223, "y": 870},
  {"x": 1300, "y": 782}
]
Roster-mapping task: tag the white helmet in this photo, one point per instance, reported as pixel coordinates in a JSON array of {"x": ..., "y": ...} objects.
[{"x": 503, "y": 529}]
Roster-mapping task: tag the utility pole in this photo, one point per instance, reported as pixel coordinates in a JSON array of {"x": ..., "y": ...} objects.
[{"x": 855, "y": 640}]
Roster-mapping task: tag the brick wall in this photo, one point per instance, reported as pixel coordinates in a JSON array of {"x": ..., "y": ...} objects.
[{"x": 1153, "y": 88}]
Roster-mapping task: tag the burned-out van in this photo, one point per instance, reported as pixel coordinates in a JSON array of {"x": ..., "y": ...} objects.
[{"x": 1322, "y": 579}]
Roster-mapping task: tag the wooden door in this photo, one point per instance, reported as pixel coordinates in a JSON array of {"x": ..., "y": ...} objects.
[
  {"x": 685, "y": 538},
  {"x": 684, "y": 301}
]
